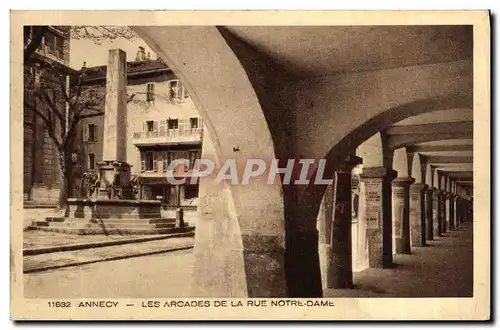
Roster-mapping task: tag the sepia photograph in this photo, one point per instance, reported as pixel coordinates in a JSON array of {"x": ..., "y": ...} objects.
[{"x": 248, "y": 166}]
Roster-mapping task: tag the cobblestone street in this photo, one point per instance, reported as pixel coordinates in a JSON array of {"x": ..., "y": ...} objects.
[
  {"x": 38, "y": 238},
  {"x": 169, "y": 274},
  {"x": 33, "y": 263},
  {"x": 163, "y": 275}
]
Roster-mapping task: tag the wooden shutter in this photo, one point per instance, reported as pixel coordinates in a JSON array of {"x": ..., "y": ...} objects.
[
  {"x": 85, "y": 132},
  {"x": 143, "y": 161},
  {"x": 182, "y": 125},
  {"x": 95, "y": 133},
  {"x": 155, "y": 126},
  {"x": 162, "y": 126},
  {"x": 155, "y": 162},
  {"x": 150, "y": 92}
]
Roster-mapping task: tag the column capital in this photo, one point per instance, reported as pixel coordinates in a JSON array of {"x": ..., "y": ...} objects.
[
  {"x": 378, "y": 172},
  {"x": 430, "y": 190},
  {"x": 403, "y": 182},
  {"x": 418, "y": 187},
  {"x": 437, "y": 192},
  {"x": 446, "y": 194},
  {"x": 348, "y": 164}
]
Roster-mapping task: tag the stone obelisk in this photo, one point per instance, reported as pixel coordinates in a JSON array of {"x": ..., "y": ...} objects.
[{"x": 114, "y": 172}]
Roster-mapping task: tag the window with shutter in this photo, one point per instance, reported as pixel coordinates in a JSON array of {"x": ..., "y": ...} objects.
[
  {"x": 193, "y": 122},
  {"x": 173, "y": 124},
  {"x": 91, "y": 161},
  {"x": 150, "y": 92},
  {"x": 85, "y": 133},
  {"x": 91, "y": 133}
]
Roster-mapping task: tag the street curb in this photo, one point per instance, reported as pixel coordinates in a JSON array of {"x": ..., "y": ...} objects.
[
  {"x": 81, "y": 246},
  {"x": 81, "y": 263}
]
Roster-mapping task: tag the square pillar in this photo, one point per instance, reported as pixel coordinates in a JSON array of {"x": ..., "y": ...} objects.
[
  {"x": 443, "y": 212},
  {"x": 417, "y": 214},
  {"x": 436, "y": 213},
  {"x": 401, "y": 214},
  {"x": 429, "y": 213},
  {"x": 454, "y": 211},
  {"x": 449, "y": 225},
  {"x": 378, "y": 214},
  {"x": 325, "y": 218},
  {"x": 341, "y": 254}
]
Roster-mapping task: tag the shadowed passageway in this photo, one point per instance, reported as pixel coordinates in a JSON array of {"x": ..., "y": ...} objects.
[{"x": 443, "y": 268}]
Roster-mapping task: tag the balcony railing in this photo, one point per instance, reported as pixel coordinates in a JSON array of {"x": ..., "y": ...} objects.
[{"x": 171, "y": 136}]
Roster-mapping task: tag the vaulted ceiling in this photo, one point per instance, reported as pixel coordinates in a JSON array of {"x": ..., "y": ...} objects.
[
  {"x": 312, "y": 51},
  {"x": 444, "y": 139}
]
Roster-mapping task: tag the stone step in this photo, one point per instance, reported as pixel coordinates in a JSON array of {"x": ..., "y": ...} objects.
[
  {"x": 55, "y": 219},
  {"x": 119, "y": 225},
  {"x": 134, "y": 221},
  {"x": 188, "y": 230},
  {"x": 40, "y": 223},
  {"x": 107, "y": 225}
]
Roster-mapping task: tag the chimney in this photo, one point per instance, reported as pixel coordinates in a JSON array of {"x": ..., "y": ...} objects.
[
  {"x": 141, "y": 54},
  {"x": 84, "y": 66},
  {"x": 148, "y": 57}
]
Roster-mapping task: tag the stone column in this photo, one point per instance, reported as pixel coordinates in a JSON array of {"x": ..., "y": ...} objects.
[
  {"x": 417, "y": 214},
  {"x": 342, "y": 226},
  {"x": 468, "y": 210},
  {"x": 449, "y": 223},
  {"x": 429, "y": 213},
  {"x": 455, "y": 211},
  {"x": 401, "y": 214},
  {"x": 325, "y": 218},
  {"x": 443, "y": 213},
  {"x": 378, "y": 214},
  {"x": 436, "y": 213},
  {"x": 114, "y": 172}
]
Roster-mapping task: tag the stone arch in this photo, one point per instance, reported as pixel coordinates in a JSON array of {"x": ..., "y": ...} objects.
[
  {"x": 356, "y": 112},
  {"x": 418, "y": 169},
  {"x": 436, "y": 180},
  {"x": 403, "y": 141},
  {"x": 442, "y": 183},
  {"x": 429, "y": 88},
  {"x": 403, "y": 162},
  {"x": 374, "y": 153},
  {"x": 240, "y": 235},
  {"x": 429, "y": 175}
]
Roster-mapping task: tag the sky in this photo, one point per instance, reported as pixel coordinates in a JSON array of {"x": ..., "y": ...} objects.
[{"x": 94, "y": 54}]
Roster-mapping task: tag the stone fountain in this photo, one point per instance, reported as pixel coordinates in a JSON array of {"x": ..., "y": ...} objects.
[{"x": 111, "y": 209}]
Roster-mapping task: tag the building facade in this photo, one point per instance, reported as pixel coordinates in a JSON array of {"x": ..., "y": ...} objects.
[
  {"x": 40, "y": 159},
  {"x": 162, "y": 125}
]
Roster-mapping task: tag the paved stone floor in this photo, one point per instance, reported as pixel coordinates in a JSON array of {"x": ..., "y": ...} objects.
[
  {"x": 442, "y": 269},
  {"x": 32, "y": 263},
  {"x": 31, "y": 214},
  {"x": 155, "y": 276}
]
